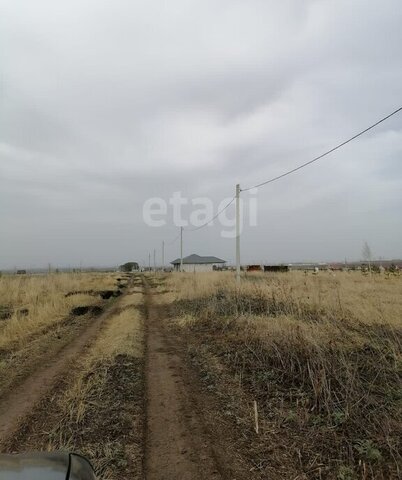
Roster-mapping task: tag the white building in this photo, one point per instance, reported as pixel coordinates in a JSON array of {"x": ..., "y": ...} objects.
[{"x": 195, "y": 263}]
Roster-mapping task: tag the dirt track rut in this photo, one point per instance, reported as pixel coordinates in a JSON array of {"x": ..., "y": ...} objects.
[{"x": 177, "y": 445}]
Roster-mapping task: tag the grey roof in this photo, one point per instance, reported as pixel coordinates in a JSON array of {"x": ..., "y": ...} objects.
[{"x": 196, "y": 259}]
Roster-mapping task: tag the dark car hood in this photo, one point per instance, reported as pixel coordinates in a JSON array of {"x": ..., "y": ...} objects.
[{"x": 45, "y": 466}]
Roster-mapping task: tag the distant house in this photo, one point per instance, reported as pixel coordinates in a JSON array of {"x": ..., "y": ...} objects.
[{"x": 196, "y": 263}]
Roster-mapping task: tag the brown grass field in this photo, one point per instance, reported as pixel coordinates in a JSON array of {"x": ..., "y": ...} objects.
[
  {"x": 289, "y": 376},
  {"x": 321, "y": 356}
]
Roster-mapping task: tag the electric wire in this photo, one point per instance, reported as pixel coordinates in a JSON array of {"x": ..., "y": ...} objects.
[
  {"x": 274, "y": 179},
  {"x": 289, "y": 172},
  {"x": 173, "y": 241},
  {"x": 212, "y": 219}
]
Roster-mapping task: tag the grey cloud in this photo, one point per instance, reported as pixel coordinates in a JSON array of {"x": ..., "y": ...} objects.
[{"x": 105, "y": 104}]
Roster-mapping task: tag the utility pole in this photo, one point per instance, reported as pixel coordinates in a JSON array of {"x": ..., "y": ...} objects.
[
  {"x": 149, "y": 262},
  {"x": 163, "y": 255},
  {"x": 238, "y": 234},
  {"x": 154, "y": 260},
  {"x": 181, "y": 249}
]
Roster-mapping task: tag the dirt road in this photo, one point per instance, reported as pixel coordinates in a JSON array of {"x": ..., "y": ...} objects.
[
  {"x": 21, "y": 400},
  {"x": 177, "y": 433}
]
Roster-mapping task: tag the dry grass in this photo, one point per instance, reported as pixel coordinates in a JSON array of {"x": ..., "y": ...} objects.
[
  {"x": 101, "y": 412},
  {"x": 132, "y": 299},
  {"x": 96, "y": 408},
  {"x": 372, "y": 301},
  {"x": 41, "y": 318},
  {"x": 33, "y": 303},
  {"x": 321, "y": 355}
]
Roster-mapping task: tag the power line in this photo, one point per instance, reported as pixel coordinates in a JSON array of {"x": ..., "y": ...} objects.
[
  {"x": 213, "y": 218},
  {"x": 326, "y": 153},
  {"x": 173, "y": 241},
  {"x": 289, "y": 172}
]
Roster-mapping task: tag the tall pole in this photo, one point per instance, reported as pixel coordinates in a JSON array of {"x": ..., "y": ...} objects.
[
  {"x": 181, "y": 249},
  {"x": 149, "y": 262},
  {"x": 154, "y": 260},
  {"x": 163, "y": 255},
  {"x": 238, "y": 234}
]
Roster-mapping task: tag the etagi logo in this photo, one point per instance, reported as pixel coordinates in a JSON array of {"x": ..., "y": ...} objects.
[{"x": 156, "y": 209}]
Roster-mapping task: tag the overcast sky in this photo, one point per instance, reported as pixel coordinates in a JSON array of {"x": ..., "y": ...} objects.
[{"x": 105, "y": 104}]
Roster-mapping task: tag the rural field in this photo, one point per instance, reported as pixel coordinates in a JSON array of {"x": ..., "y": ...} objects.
[{"x": 187, "y": 376}]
